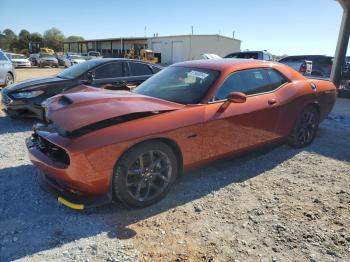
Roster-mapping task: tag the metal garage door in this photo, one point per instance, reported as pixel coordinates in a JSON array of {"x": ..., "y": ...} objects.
[
  {"x": 178, "y": 51},
  {"x": 157, "y": 47}
]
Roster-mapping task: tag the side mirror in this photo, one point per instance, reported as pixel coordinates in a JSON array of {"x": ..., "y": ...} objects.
[
  {"x": 90, "y": 77},
  {"x": 236, "y": 97}
]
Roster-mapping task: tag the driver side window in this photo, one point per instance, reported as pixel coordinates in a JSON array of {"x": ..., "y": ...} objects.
[{"x": 249, "y": 82}]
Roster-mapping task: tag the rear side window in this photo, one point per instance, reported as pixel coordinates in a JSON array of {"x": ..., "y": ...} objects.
[
  {"x": 3, "y": 57},
  {"x": 276, "y": 78},
  {"x": 156, "y": 69},
  {"x": 139, "y": 69},
  {"x": 111, "y": 70}
]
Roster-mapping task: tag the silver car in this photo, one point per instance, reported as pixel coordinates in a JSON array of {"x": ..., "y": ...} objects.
[{"x": 7, "y": 71}]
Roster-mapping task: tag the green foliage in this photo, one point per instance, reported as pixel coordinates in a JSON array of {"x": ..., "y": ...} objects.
[
  {"x": 8, "y": 39},
  {"x": 75, "y": 38},
  {"x": 52, "y": 38}
]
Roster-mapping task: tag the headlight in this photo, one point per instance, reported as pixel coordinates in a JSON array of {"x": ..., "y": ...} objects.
[{"x": 28, "y": 94}]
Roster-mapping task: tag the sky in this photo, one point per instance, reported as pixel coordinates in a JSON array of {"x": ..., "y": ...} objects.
[{"x": 279, "y": 26}]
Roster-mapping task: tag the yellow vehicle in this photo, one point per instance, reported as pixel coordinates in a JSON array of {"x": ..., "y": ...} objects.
[
  {"x": 47, "y": 50},
  {"x": 148, "y": 55}
]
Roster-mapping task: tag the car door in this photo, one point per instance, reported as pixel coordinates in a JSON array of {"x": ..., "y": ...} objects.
[
  {"x": 111, "y": 73},
  {"x": 3, "y": 71},
  {"x": 242, "y": 125}
]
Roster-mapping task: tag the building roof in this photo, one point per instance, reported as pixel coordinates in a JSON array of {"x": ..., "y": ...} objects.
[{"x": 146, "y": 38}]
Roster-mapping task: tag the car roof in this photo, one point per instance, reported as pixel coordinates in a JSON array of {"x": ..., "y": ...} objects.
[
  {"x": 104, "y": 60},
  {"x": 225, "y": 63},
  {"x": 311, "y": 56}
]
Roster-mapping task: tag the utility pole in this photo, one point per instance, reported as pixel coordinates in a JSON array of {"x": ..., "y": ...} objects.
[{"x": 342, "y": 45}]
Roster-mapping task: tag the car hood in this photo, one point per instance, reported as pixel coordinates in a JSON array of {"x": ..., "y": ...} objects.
[
  {"x": 72, "y": 111},
  {"x": 34, "y": 83},
  {"x": 49, "y": 58},
  {"x": 20, "y": 60}
]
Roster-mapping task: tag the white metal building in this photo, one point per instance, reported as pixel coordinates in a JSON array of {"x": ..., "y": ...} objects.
[
  {"x": 180, "y": 48},
  {"x": 172, "y": 49}
]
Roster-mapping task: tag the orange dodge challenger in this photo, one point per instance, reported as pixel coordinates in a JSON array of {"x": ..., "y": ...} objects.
[{"x": 100, "y": 144}]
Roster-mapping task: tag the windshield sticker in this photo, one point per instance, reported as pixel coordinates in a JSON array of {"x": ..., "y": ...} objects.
[{"x": 198, "y": 74}]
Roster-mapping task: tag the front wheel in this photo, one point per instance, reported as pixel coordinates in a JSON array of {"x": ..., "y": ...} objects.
[
  {"x": 305, "y": 129},
  {"x": 145, "y": 174},
  {"x": 9, "y": 79}
]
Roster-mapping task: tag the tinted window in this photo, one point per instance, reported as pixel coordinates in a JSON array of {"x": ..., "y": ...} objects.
[
  {"x": 156, "y": 69},
  {"x": 111, "y": 70},
  {"x": 2, "y": 57},
  {"x": 244, "y": 55},
  {"x": 276, "y": 78},
  {"x": 252, "y": 81},
  {"x": 139, "y": 69}
]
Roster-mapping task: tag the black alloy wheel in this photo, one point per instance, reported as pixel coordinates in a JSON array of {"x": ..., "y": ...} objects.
[
  {"x": 145, "y": 174},
  {"x": 306, "y": 128}
]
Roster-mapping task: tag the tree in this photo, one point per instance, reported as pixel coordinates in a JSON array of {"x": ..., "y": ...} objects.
[
  {"x": 74, "y": 38},
  {"x": 8, "y": 39},
  {"x": 23, "y": 39},
  {"x": 36, "y": 37},
  {"x": 53, "y": 38}
]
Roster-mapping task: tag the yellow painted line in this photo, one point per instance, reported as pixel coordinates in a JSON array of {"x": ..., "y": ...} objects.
[{"x": 70, "y": 204}]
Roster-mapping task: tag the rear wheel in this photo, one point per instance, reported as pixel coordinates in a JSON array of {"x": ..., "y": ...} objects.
[
  {"x": 145, "y": 174},
  {"x": 305, "y": 129}
]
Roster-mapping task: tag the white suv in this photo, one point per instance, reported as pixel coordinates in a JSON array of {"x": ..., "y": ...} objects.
[{"x": 7, "y": 71}]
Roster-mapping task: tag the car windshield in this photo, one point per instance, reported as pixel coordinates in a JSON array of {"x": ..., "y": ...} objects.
[
  {"x": 184, "y": 85},
  {"x": 76, "y": 57},
  {"x": 94, "y": 54},
  {"x": 244, "y": 55},
  {"x": 18, "y": 57},
  {"x": 78, "y": 69},
  {"x": 47, "y": 55}
]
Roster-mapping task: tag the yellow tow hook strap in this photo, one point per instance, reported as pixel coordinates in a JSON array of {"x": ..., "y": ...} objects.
[{"x": 70, "y": 204}]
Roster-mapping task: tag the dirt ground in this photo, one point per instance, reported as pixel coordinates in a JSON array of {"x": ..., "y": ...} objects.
[
  {"x": 278, "y": 204},
  {"x": 27, "y": 73}
]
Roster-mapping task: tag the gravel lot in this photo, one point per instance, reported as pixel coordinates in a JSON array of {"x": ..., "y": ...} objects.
[{"x": 279, "y": 204}]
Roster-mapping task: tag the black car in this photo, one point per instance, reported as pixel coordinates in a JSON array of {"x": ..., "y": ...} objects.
[
  {"x": 321, "y": 64},
  {"x": 24, "y": 99}
]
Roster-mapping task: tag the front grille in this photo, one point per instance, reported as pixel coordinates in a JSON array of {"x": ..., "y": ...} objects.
[{"x": 54, "y": 152}]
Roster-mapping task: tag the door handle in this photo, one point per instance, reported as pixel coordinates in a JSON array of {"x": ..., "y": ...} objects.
[{"x": 272, "y": 101}]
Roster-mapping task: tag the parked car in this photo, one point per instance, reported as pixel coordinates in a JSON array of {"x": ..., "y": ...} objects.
[
  {"x": 44, "y": 59},
  {"x": 321, "y": 65},
  {"x": 60, "y": 59},
  {"x": 91, "y": 55},
  {"x": 260, "y": 55},
  {"x": 70, "y": 60},
  {"x": 24, "y": 99},
  {"x": 209, "y": 56},
  {"x": 33, "y": 58},
  {"x": 133, "y": 145},
  {"x": 302, "y": 66},
  {"x": 7, "y": 71},
  {"x": 19, "y": 60}
]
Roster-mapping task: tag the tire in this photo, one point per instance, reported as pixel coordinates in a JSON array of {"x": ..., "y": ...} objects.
[
  {"x": 134, "y": 184},
  {"x": 305, "y": 129},
  {"x": 9, "y": 79}
]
